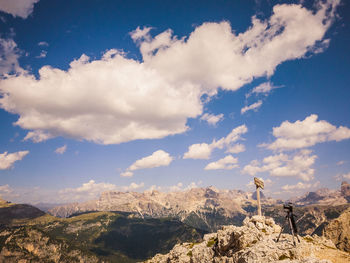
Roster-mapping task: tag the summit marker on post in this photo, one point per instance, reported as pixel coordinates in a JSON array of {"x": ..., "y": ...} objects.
[{"x": 259, "y": 184}]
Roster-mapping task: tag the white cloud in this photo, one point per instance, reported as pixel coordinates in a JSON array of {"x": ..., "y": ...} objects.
[
  {"x": 92, "y": 190},
  {"x": 203, "y": 150},
  {"x": 116, "y": 99},
  {"x": 9, "y": 54},
  {"x": 8, "y": 159},
  {"x": 43, "y": 44},
  {"x": 127, "y": 173},
  {"x": 5, "y": 189},
  {"x": 300, "y": 186},
  {"x": 306, "y": 133},
  {"x": 43, "y": 54},
  {"x": 281, "y": 165},
  {"x": 61, "y": 150},
  {"x": 37, "y": 136},
  {"x": 156, "y": 159},
  {"x": 341, "y": 177},
  {"x": 227, "y": 163},
  {"x": 212, "y": 119},
  {"x": 341, "y": 162},
  {"x": 198, "y": 151},
  {"x": 264, "y": 88},
  {"x": 133, "y": 186},
  {"x": 255, "y": 106},
  {"x": 236, "y": 148},
  {"x": 21, "y": 8}
]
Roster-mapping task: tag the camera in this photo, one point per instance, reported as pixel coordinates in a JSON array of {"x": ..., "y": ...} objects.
[{"x": 288, "y": 207}]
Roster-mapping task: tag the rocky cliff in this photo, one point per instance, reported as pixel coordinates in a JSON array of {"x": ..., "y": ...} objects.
[
  {"x": 254, "y": 242},
  {"x": 338, "y": 230}
]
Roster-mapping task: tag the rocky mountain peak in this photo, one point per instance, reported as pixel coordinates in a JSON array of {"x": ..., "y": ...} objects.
[{"x": 211, "y": 192}]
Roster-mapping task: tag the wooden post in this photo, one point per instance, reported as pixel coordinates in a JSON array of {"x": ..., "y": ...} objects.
[
  {"x": 259, "y": 184},
  {"x": 258, "y": 198}
]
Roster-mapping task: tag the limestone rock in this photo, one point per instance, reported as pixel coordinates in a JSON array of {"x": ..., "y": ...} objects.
[{"x": 254, "y": 242}]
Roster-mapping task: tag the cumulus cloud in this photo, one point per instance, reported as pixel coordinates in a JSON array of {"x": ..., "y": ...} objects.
[
  {"x": 264, "y": 88},
  {"x": 61, "y": 150},
  {"x": 9, "y": 54},
  {"x": 255, "y": 106},
  {"x": 282, "y": 165},
  {"x": 212, "y": 119},
  {"x": 300, "y": 186},
  {"x": 227, "y": 163},
  {"x": 236, "y": 148},
  {"x": 203, "y": 150},
  {"x": 198, "y": 151},
  {"x": 7, "y": 160},
  {"x": 21, "y": 8},
  {"x": 116, "y": 99},
  {"x": 156, "y": 159},
  {"x": 306, "y": 133}
]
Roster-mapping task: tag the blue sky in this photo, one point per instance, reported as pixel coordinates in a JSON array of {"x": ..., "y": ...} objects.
[{"x": 169, "y": 95}]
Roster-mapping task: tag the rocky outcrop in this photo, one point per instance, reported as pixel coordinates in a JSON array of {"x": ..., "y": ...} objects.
[
  {"x": 345, "y": 190},
  {"x": 30, "y": 245},
  {"x": 253, "y": 242},
  {"x": 338, "y": 230}
]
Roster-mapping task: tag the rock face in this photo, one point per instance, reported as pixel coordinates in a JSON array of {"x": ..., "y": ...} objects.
[
  {"x": 338, "y": 230},
  {"x": 253, "y": 242},
  {"x": 205, "y": 208}
]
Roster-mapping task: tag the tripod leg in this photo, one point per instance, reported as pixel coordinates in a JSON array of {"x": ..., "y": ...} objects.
[
  {"x": 280, "y": 234},
  {"x": 282, "y": 230},
  {"x": 291, "y": 229}
]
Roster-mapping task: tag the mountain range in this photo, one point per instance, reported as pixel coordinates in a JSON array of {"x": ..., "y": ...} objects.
[
  {"x": 204, "y": 208},
  {"x": 129, "y": 227}
]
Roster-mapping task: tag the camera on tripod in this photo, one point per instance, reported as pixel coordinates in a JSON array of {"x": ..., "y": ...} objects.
[
  {"x": 288, "y": 207},
  {"x": 290, "y": 222}
]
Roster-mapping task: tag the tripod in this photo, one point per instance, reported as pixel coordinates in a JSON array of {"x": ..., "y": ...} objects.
[{"x": 292, "y": 226}]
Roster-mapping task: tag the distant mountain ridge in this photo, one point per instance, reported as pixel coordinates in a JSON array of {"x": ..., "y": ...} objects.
[
  {"x": 325, "y": 196},
  {"x": 205, "y": 208}
]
